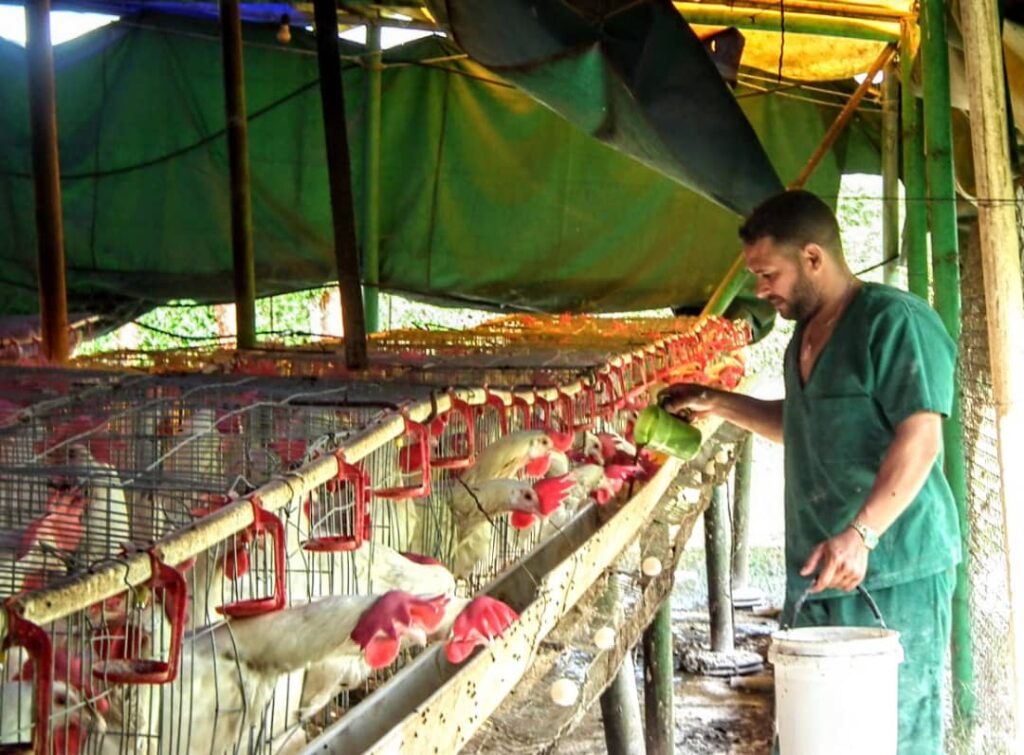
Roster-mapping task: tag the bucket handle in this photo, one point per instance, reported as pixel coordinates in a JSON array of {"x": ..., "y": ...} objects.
[{"x": 798, "y": 606}]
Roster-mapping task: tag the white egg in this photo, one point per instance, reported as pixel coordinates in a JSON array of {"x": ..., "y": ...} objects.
[
  {"x": 651, "y": 566},
  {"x": 604, "y": 638},
  {"x": 564, "y": 692},
  {"x": 709, "y": 468},
  {"x": 722, "y": 456}
]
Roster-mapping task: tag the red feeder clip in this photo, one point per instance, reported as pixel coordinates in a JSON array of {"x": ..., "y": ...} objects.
[
  {"x": 464, "y": 460},
  {"x": 264, "y": 523},
  {"x": 589, "y": 395},
  {"x": 169, "y": 588},
  {"x": 498, "y": 403},
  {"x": 422, "y": 490},
  {"x": 360, "y": 482},
  {"x": 519, "y": 402},
  {"x": 36, "y": 641}
]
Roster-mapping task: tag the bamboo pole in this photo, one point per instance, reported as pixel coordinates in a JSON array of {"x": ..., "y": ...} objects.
[
  {"x": 946, "y": 269},
  {"x": 735, "y": 278},
  {"x": 1004, "y": 298},
  {"x": 915, "y": 228},
  {"x": 659, "y": 683},
  {"x": 238, "y": 161},
  {"x": 818, "y": 8},
  {"x": 371, "y": 179},
  {"x": 890, "y": 174},
  {"x": 42, "y": 96},
  {"x": 332, "y": 97},
  {"x": 791, "y": 22},
  {"x": 620, "y": 713}
]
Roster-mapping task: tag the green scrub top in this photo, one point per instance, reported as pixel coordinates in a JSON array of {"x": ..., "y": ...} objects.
[{"x": 889, "y": 357}]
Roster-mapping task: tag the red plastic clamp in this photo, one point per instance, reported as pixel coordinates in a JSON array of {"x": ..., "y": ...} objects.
[
  {"x": 498, "y": 403},
  {"x": 36, "y": 641},
  {"x": 264, "y": 523},
  {"x": 422, "y": 490},
  {"x": 463, "y": 460},
  {"x": 360, "y": 483},
  {"x": 169, "y": 588}
]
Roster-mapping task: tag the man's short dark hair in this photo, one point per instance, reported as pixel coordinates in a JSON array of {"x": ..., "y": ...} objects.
[{"x": 794, "y": 217}]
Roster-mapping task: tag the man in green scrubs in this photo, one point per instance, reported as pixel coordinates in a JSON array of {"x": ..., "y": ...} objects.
[{"x": 869, "y": 377}]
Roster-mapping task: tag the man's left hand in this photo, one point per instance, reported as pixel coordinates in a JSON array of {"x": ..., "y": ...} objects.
[{"x": 841, "y": 562}]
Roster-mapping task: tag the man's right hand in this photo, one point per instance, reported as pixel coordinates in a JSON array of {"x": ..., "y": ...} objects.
[{"x": 689, "y": 398}]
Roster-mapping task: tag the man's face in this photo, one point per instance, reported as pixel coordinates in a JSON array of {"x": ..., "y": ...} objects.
[{"x": 782, "y": 278}]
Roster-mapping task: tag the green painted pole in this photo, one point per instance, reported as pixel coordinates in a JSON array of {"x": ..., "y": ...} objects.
[
  {"x": 946, "y": 269},
  {"x": 371, "y": 179},
  {"x": 891, "y": 174},
  {"x": 238, "y": 163},
  {"x": 620, "y": 713},
  {"x": 741, "y": 515},
  {"x": 659, "y": 683},
  {"x": 717, "y": 557},
  {"x": 915, "y": 224}
]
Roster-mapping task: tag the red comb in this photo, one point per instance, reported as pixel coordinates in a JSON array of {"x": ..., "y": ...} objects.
[
  {"x": 60, "y": 525},
  {"x": 379, "y": 629},
  {"x": 561, "y": 441},
  {"x": 522, "y": 520},
  {"x": 622, "y": 472},
  {"x": 419, "y": 558},
  {"x": 481, "y": 621},
  {"x": 538, "y": 467},
  {"x": 553, "y": 491}
]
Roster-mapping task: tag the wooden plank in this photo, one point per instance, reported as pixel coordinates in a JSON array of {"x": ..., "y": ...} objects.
[{"x": 1004, "y": 300}]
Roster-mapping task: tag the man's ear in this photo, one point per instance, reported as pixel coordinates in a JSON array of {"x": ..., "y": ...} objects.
[{"x": 813, "y": 255}]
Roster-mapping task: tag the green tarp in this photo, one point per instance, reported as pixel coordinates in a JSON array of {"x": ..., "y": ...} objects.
[
  {"x": 634, "y": 76},
  {"x": 487, "y": 196}
]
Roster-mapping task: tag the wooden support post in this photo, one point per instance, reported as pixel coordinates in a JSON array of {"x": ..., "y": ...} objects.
[
  {"x": 42, "y": 95},
  {"x": 371, "y": 178},
  {"x": 891, "y": 174},
  {"x": 238, "y": 161},
  {"x": 1004, "y": 301},
  {"x": 741, "y": 515},
  {"x": 716, "y": 544},
  {"x": 946, "y": 270},
  {"x": 620, "y": 713},
  {"x": 339, "y": 171},
  {"x": 915, "y": 228},
  {"x": 659, "y": 683}
]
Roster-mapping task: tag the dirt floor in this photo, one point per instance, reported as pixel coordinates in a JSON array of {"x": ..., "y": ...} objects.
[{"x": 712, "y": 717}]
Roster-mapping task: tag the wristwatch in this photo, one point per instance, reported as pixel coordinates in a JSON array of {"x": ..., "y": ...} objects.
[{"x": 869, "y": 535}]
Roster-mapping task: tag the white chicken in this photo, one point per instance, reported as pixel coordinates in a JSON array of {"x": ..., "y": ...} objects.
[
  {"x": 475, "y": 509},
  {"x": 506, "y": 456},
  {"x": 228, "y": 675},
  {"x": 105, "y": 524}
]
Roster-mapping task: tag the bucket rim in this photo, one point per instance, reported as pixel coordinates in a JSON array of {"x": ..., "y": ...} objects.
[{"x": 836, "y": 641}]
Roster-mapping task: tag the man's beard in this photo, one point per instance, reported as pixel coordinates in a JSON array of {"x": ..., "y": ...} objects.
[{"x": 803, "y": 302}]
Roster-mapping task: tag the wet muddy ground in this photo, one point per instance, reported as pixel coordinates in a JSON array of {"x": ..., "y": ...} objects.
[{"x": 712, "y": 716}]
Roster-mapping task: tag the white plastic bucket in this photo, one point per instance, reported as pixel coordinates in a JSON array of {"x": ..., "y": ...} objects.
[{"x": 836, "y": 690}]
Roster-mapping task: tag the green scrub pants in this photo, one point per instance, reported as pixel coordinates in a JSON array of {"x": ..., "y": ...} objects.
[{"x": 921, "y": 611}]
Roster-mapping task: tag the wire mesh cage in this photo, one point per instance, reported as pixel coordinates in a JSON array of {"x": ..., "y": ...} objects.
[{"x": 276, "y": 498}]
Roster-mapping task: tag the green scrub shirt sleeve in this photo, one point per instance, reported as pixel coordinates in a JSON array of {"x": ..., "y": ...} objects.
[{"x": 914, "y": 361}]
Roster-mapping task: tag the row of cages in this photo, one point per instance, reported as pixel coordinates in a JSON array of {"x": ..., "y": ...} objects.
[{"x": 231, "y": 561}]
